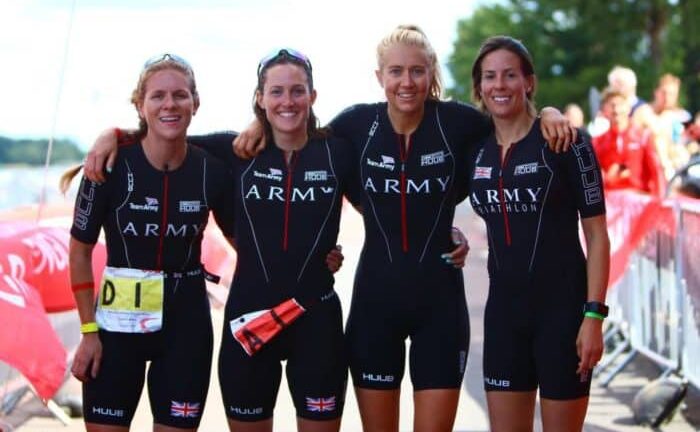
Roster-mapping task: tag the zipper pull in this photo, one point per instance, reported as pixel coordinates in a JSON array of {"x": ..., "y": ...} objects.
[{"x": 374, "y": 127}]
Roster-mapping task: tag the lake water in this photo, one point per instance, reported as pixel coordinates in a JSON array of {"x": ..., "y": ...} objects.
[{"x": 20, "y": 186}]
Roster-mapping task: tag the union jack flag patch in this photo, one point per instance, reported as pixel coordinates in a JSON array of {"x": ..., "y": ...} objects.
[
  {"x": 184, "y": 409},
  {"x": 482, "y": 173},
  {"x": 320, "y": 404}
]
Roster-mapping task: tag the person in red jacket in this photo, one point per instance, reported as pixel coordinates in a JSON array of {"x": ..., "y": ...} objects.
[{"x": 627, "y": 153}]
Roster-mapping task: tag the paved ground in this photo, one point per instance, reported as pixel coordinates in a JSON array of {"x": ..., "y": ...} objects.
[{"x": 609, "y": 408}]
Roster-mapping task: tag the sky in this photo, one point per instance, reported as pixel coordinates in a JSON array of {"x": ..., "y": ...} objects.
[{"x": 69, "y": 66}]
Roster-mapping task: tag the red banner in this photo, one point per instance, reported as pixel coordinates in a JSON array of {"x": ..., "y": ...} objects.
[
  {"x": 631, "y": 216},
  {"x": 27, "y": 340}
]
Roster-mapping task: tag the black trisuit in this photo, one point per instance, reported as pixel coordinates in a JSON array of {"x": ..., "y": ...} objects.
[
  {"x": 531, "y": 203},
  {"x": 154, "y": 220},
  {"x": 403, "y": 288},
  {"x": 287, "y": 217}
]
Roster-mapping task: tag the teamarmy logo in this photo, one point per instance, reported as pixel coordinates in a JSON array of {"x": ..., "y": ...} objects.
[
  {"x": 274, "y": 174},
  {"x": 151, "y": 205},
  {"x": 432, "y": 158},
  {"x": 387, "y": 163}
]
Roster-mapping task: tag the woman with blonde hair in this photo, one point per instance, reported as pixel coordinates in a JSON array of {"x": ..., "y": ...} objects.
[{"x": 152, "y": 304}]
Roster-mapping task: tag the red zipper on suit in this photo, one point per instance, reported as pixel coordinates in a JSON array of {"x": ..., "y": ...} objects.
[
  {"x": 504, "y": 162},
  {"x": 287, "y": 199},
  {"x": 163, "y": 220},
  {"x": 404, "y": 148}
]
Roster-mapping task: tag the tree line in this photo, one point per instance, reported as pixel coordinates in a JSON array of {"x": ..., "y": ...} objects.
[
  {"x": 575, "y": 43},
  {"x": 33, "y": 151}
]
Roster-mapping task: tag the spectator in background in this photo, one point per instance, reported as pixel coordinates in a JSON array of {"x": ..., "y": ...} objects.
[
  {"x": 626, "y": 152},
  {"x": 574, "y": 114},
  {"x": 667, "y": 126},
  {"x": 691, "y": 136},
  {"x": 624, "y": 80}
]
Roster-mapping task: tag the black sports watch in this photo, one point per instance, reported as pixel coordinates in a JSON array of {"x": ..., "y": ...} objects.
[{"x": 596, "y": 307}]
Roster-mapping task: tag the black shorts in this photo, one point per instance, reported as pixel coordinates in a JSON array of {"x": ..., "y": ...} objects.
[
  {"x": 434, "y": 316},
  {"x": 179, "y": 373},
  {"x": 530, "y": 341},
  {"x": 316, "y": 368}
]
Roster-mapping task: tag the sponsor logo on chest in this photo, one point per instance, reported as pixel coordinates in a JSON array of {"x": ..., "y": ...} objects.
[
  {"x": 151, "y": 205},
  {"x": 278, "y": 193},
  {"x": 311, "y": 176},
  {"x": 153, "y": 230},
  {"x": 528, "y": 168},
  {"x": 413, "y": 186},
  {"x": 432, "y": 158},
  {"x": 190, "y": 206},
  {"x": 387, "y": 163},
  {"x": 273, "y": 174}
]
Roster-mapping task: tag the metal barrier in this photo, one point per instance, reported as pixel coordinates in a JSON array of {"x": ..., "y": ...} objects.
[
  {"x": 655, "y": 306},
  {"x": 689, "y": 287}
]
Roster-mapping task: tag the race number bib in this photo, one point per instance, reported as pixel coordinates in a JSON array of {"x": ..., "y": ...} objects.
[{"x": 130, "y": 300}]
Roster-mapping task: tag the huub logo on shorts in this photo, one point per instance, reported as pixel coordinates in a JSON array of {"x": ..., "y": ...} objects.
[
  {"x": 320, "y": 175},
  {"x": 378, "y": 377},
  {"x": 432, "y": 158},
  {"x": 110, "y": 412},
  {"x": 503, "y": 383},
  {"x": 528, "y": 168},
  {"x": 246, "y": 410},
  {"x": 274, "y": 174},
  {"x": 386, "y": 163}
]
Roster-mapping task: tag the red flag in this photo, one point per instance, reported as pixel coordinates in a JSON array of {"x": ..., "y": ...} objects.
[
  {"x": 45, "y": 253},
  {"x": 255, "y": 329},
  {"x": 27, "y": 341}
]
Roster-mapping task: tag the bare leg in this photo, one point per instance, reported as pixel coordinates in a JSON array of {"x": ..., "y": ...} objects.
[
  {"x": 379, "y": 409},
  {"x": 563, "y": 415},
  {"x": 162, "y": 428},
  {"x": 511, "y": 411},
  {"x": 435, "y": 410},
  {"x": 306, "y": 425},
  {"x": 254, "y": 426},
  {"x": 95, "y": 427}
]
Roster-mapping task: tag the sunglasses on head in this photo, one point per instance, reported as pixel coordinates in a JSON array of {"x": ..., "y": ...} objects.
[
  {"x": 284, "y": 53},
  {"x": 166, "y": 57}
]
